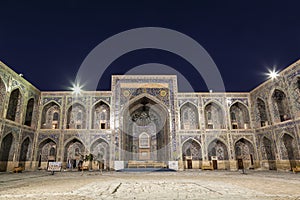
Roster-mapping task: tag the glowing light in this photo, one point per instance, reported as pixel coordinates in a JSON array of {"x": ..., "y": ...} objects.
[
  {"x": 229, "y": 101},
  {"x": 76, "y": 89},
  {"x": 273, "y": 74}
]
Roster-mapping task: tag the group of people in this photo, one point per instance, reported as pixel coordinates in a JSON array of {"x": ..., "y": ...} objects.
[{"x": 73, "y": 163}]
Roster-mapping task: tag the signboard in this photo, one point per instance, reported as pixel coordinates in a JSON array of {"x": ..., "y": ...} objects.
[
  {"x": 173, "y": 165},
  {"x": 188, "y": 157},
  {"x": 119, "y": 165},
  {"x": 54, "y": 166}
]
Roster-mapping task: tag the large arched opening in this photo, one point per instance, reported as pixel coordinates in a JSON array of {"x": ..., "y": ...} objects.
[
  {"x": 262, "y": 111},
  {"x": 76, "y": 117},
  {"x": 281, "y": 106},
  {"x": 6, "y": 152},
  {"x": 101, "y": 153},
  {"x": 239, "y": 116},
  {"x": 100, "y": 116},
  {"x": 51, "y": 116},
  {"x": 214, "y": 116},
  {"x": 244, "y": 150},
  {"x": 14, "y": 106},
  {"x": 189, "y": 116},
  {"x": 145, "y": 132},
  {"x": 74, "y": 152},
  {"x": 191, "y": 154},
  {"x": 218, "y": 154},
  {"x": 46, "y": 153},
  {"x": 29, "y": 112}
]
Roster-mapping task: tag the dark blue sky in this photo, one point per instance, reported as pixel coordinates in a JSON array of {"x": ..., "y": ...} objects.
[{"x": 48, "y": 40}]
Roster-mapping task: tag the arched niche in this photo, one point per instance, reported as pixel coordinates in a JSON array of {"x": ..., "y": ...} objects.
[
  {"x": 50, "y": 116},
  {"x": 14, "y": 105},
  {"x": 76, "y": 117},
  {"x": 189, "y": 116},
  {"x": 244, "y": 150},
  {"x": 280, "y": 106},
  {"x": 218, "y": 149},
  {"x": 6, "y": 151},
  {"x": 74, "y": 152},
  {"x": 45, "y": 150},
  {"x": 101, "y": 153},
  {"x": 214, "y": 116},
  {"x": 239, "y": 116},
  {"x": 144, "y": 140},
  {"x": 29, "y": 112},
  {"x": 262, "y": 111},
  {"x": 191, "y": 149},
  {"x": 100, "y": 116}
]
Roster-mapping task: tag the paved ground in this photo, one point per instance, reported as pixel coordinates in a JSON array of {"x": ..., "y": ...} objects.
[{"x": 151, "y": 185}]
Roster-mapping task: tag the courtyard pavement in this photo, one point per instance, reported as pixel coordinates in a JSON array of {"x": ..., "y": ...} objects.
[{"x": 151, "y": 185}]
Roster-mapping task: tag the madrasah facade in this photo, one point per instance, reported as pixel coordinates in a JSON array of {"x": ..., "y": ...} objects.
[{"x": 144, "y": 119}]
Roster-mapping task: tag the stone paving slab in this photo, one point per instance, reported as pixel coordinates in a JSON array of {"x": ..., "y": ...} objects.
[{"x": 166, "y": 185}]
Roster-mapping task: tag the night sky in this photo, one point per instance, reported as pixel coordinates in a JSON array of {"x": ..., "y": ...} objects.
[{"x": 48, "y": 40}]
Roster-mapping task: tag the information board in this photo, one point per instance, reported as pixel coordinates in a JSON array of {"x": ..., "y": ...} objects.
[{"x": 54, "y": 166}]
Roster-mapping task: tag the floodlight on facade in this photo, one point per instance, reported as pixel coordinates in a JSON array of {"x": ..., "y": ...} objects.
[
  {"x": 273, "y": 74},
  {"x": 77, "y": 89}
]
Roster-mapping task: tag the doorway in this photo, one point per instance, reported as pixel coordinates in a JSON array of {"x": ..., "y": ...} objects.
[
  {"x": 240, "y": 163},
  {"x": 215, "y": 164},
  {"x": 189, "y": 163}
]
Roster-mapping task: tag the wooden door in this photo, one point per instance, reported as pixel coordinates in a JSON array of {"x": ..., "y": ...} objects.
[
  {"x": 215, "y": 164},
  {"x": 240, "y": 164},
  {"x": 189, "y": 164}
]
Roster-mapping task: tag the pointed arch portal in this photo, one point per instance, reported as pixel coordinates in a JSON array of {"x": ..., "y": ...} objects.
[
  {"x": 6, "y": 151},
  {"x": 189, "y": 116},
  {"x": 74, "y": 152},
  {"x": 244, "y": 150},
  {"x": 192, "y": 149},
  {"x": 218, "y": 149},
  {"x": 143, "y": 120},
  {"x": 101, "y": 153},
  {"x": 46, "y": 152}
]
